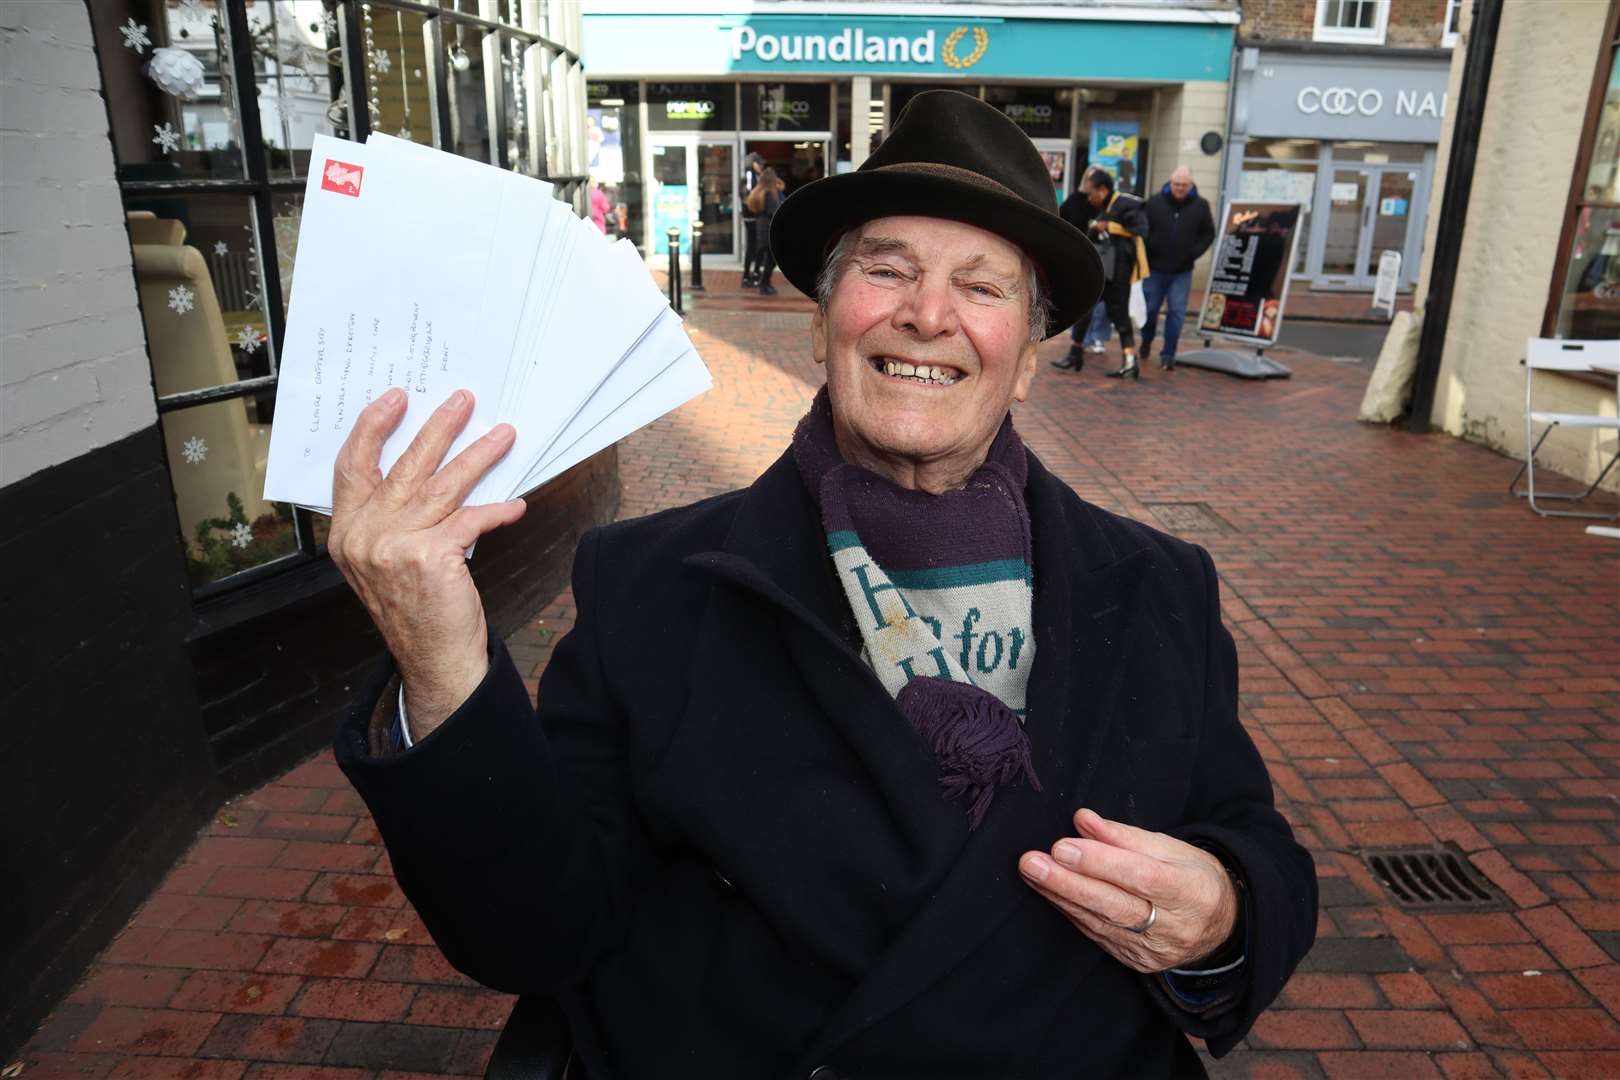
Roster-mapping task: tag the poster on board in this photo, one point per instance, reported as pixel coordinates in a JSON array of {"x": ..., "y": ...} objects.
[
  {"x": 1249, "y": 282},
  {"x": 1114, "y": 146}
]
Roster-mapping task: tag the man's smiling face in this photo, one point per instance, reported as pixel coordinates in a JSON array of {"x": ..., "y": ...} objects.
[{"x": 927, "y": 344}]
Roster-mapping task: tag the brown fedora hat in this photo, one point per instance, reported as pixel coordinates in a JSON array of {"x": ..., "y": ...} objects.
[{"x": 949, "y": 156}]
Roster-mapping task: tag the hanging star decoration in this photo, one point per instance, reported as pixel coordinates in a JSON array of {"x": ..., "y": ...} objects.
[
  {"x": 167, "y": 139},
  {"x": 194, "y": 450},
  {"x": 181, "y": 300},
  {"x": 135, "y": 36},
  {"x": 241, "y": 535},
  {"x": 221, "y": 248},
  {"x": 247, "y": 339}
]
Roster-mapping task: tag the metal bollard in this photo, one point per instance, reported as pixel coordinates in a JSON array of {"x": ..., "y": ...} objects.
[
  {"x": 696, "y": 284},
  {"x": 673, "y": 236}
]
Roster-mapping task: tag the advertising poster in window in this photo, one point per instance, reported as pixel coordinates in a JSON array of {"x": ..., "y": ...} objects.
[
  {"x": 1114, "y": 146},
  {"x": 1249, "y": 282}
]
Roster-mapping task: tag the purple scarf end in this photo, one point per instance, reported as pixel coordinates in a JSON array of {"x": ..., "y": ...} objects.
[{"x": 978, "y": 741}]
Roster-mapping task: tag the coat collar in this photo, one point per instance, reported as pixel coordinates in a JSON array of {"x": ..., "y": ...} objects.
[{"x": 1085, "y": 602}]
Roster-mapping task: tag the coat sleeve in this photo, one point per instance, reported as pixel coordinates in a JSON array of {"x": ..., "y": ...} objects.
[
  {"x": 1205, "y": 236},
  {"x": 512, "y": 833},
  {"x": 1135, "y": 218},
  {"x": 1231, "y": 811}
]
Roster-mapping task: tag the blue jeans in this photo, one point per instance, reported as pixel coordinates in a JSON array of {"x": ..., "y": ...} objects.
[
  {"x": 1156, "y": 290},
  {"x": 1097, "y": 331}
]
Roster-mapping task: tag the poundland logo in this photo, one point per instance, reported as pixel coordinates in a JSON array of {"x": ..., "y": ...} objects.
[{"x": 963, "y": 47}]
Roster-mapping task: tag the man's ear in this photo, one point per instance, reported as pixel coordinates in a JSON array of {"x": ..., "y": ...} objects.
[
  {"x": 818, "y": 336},
  {"x": 1026, "y": 371}
]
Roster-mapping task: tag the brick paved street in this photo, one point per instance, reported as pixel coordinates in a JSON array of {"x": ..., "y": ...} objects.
[{"x": 1423, "y": 661}]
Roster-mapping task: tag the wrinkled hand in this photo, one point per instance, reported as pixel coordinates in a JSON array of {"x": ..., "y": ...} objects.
[
  {"x": 1105, "y": 880},
  {"x": 400, "y": 542}
]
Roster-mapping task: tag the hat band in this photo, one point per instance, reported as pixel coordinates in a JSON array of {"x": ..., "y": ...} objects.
[{"x": 951, "y": 172}]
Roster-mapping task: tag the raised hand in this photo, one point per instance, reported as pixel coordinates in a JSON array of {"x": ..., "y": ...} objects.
[
  {"x": 400, "y": 541},
  {"x": 1111, "y": 879}
]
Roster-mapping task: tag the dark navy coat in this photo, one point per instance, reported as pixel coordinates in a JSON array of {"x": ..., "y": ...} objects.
[{"x": 724, "y": 850}]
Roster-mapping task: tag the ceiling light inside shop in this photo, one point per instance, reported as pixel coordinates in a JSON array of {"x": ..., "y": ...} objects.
[{"x": 610, "y": 102}]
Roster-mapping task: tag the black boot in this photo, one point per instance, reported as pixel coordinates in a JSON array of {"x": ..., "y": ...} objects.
[
  {"x": 1074, "y": 360},
  {"x": 1130, "y": 369},
  {"x": 765, "y": 286}
]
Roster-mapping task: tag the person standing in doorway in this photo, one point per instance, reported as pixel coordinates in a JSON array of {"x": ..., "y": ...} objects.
[
  {"x": 1181, "y": 229},
  {"x": 1088, "y": 335},
  {"x": 772, "y": 186},
  {"x": 753, "y": 165}
]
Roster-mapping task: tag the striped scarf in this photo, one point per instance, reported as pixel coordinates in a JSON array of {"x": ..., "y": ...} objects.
[{"x": 941, "y": 588}]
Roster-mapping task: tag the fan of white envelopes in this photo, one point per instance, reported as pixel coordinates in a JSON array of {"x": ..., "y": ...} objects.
[{"x": 431, "y": 272}]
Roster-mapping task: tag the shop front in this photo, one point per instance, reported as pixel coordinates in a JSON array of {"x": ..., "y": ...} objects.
[
  {"x": 1349, "y": 134},
  {"x": 689, "y": 97}
]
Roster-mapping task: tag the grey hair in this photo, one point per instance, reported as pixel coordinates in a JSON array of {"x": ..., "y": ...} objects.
[{"x": 837, "y": 261}]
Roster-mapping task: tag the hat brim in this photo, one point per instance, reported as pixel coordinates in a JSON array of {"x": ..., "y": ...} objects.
[{"x": 810, "y": 221}]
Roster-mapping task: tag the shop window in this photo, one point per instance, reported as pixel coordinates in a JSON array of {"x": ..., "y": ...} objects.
[
  {"x": 1283, "y": 170},
  {"x": 213, "y": 107},
  {"x": 786, "y": 107},
  {"x": 1585, "y": 301},
  {"x": 1360, "y": 22},
  {"x": 613, "y": 144}
]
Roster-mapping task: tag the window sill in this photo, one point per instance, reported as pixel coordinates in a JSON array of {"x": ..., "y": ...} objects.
[{"x": 275, "y": 595}]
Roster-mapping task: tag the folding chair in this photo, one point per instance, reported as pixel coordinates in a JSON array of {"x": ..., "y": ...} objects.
[{"x": 1556, "y": 354}]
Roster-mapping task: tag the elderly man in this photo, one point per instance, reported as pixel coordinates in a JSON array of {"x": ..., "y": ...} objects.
[
  {"x": 902, "y": 762},
  {"x": 1180, "y": 229}
]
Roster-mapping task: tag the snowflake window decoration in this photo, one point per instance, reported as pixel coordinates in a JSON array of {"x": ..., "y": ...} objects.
[
  {"x": 192, "y": 9},
  {"x": 167, "y": 139},
  {"x": 181, "y": 299},
  {"x": 135, "y": 36},
  {"x": 247, "y": 339},
  {"x": 381, "y": 61},
  {"x": 241, "y": 535},
  {"x": 329, "y": 24},
  {"x": 221, "y": 248},
  {"x": 194, "y": 450}
]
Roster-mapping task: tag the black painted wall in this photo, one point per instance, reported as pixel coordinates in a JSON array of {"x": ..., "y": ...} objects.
[
  {"x": 104, "y": 767},
  {"x": 128, "y": 715}
]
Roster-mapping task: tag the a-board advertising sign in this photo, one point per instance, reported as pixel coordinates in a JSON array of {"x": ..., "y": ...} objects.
[
  {"x": 1389, "y": 279},
  {"x": 1248, "y": 284}
]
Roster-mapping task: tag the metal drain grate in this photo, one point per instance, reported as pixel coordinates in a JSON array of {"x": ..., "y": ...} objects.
[
  {"x": 1186, "y": 517},
  {"x": 1434, "y": 879}
]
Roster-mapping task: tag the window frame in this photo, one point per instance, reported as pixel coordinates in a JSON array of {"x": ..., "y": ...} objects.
[
  {"x": 1323, "y": 31},
  {"x": 544, "y": 56},
  {"x": 1574, "y": 203},
  {"x": 1451, "y": 24}
]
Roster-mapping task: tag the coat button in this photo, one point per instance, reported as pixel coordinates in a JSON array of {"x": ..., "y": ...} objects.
[{"x": 825, "y": 1072}]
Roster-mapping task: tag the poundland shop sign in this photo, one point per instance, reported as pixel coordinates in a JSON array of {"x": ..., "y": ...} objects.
[{"x": 627, "y": 45}]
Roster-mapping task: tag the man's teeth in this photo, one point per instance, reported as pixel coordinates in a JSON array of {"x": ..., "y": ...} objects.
[{"x": 921, "y": 372}]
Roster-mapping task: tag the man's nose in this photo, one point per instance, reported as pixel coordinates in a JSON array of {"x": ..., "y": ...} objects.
[{"x": 928, "y": 310}]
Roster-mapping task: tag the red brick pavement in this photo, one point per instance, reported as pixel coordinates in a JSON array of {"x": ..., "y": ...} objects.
[{"x": 1423, "y": 660}]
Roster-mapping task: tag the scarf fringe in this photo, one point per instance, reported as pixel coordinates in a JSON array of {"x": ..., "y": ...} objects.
[{"x": 977, "y": 740}]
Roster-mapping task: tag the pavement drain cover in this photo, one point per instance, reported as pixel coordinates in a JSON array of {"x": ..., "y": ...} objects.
[
  {"x": 1186, "y": 517},
  {"x": 1433, "y": 879}
]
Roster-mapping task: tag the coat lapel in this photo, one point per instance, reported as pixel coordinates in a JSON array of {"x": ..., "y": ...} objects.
[{"x": 1085, "y": 601}]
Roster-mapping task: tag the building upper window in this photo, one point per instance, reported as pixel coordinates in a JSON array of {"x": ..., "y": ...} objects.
[
  {"x": 1451, "y": 26},
  {"x": 1361, "y": 22}
]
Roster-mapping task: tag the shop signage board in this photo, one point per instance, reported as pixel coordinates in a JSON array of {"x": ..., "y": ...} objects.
[
  {"x": 710, "y": 43},
  {"x": 1295, "y": 95},
  {"x": 1248, "y": 284}
]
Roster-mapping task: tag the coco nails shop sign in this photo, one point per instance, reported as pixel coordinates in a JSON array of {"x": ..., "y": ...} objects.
[{"x": 1310, "y": 96}]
